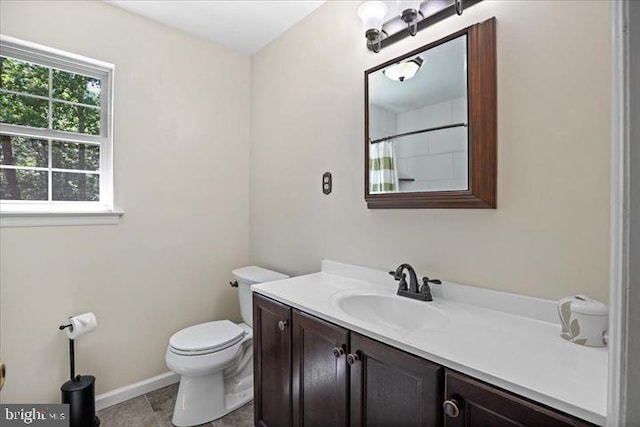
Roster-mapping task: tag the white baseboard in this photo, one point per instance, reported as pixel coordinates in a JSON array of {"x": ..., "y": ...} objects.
[{"x": 130, "y": 391}]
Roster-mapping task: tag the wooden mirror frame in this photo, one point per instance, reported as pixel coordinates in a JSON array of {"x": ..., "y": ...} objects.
[{"x": 482, "y": 130}]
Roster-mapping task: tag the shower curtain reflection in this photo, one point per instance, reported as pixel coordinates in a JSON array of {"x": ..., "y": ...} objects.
[{"x": 383, "y": 176}]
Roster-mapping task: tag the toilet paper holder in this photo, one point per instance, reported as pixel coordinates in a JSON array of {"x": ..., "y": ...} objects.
[
  {"x": 72, "y": 355},
  {"x": 79, "y": 391}
]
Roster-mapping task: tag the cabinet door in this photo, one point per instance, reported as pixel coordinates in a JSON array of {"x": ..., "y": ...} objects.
[
  {"x": 470, "y": 402},
  {"x": 272, "y": 362},
  {"x": 319, "y": 374},
  {"x": 392, "y": 388}
]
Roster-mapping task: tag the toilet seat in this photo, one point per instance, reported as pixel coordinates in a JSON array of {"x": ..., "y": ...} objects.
[{"x": 205, "y": 338}]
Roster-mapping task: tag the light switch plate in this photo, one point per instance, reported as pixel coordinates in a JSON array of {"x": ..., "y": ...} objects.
[{"x": 327, "y": 183}]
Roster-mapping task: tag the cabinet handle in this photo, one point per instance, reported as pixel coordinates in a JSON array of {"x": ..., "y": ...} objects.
[
  {"x": 338, "y": 351},
  {"x": 352, "y": 358},
  {"x": 451, "y": 408},
  {"x": 283, "y": 324}
]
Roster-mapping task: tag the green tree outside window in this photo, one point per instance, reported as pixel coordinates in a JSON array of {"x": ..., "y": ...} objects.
[{"x": 47, "y": 98}]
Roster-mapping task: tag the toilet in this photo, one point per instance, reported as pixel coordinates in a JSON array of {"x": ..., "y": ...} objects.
[{"x": 215, "y": 359}]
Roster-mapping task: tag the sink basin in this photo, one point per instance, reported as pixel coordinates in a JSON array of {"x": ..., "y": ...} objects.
[{"x": 391, "y": 311}]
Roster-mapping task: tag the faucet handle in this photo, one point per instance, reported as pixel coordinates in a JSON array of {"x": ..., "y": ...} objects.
[
  {"x": 402, "y": 279},
  {"x": 403, "y": 283},
  {"x": 396, "y": 275},
  {"x": 425, "y": 290},
  {"x": 426, "y": 280}
]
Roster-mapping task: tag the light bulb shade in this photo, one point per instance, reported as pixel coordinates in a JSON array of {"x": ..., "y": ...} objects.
[
  {"x": 403, "y": 70},
  {"x": 372, "y": 14}
]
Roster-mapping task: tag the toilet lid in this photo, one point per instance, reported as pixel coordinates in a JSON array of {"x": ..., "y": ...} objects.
[{"x": 207, "y": 337}]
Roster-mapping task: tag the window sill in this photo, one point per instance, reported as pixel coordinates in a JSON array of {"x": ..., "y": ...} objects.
[{"x": 52, "y": 219}]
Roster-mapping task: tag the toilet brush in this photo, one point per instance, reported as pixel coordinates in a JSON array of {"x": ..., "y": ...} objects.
[{"x": 79, "y": 392}]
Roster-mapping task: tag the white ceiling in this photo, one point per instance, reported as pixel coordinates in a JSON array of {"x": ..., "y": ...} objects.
[{"x": 245, "y": 26}]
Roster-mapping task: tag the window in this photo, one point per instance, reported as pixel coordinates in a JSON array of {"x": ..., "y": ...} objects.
[{"x": 55, "y": 131}]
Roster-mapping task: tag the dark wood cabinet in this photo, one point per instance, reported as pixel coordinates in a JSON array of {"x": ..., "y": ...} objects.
[
  {"x": 472, "y": 403},
  {"x": 302, "y": 377},
  {"x": 271, "y": 362},
  {"x": 310, "y": 372},
  {"x": 392, "y": 388},
  {"x": 319, "y": 374}
]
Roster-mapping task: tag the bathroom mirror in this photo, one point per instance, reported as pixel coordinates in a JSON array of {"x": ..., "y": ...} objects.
[{"x": 430, "y": 125}]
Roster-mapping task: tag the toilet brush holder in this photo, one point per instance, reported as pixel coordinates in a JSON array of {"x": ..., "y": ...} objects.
[{"x": 79, "y": 392}]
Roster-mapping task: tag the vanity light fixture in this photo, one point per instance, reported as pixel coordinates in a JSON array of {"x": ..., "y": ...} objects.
[
  {"x": 372, "y": 14},
  {"x": 409, "y": 13},
  {"x": 385, "y": 22},
  {"x": 403, "y": 70}
]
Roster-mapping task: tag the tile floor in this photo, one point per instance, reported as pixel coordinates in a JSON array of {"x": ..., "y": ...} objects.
[{"x": 155, "y": 409}]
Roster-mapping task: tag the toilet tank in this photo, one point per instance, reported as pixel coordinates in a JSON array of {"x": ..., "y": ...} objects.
[{"x": 247, "y": 276}]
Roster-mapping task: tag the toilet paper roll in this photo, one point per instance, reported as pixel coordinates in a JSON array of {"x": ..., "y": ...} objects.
[{"x": 81, "y": 324}]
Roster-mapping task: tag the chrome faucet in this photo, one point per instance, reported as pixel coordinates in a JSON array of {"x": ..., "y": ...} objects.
[{"x": 411, "y": 290}]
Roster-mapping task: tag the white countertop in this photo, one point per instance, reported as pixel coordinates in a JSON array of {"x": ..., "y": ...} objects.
[{"x": 525, "y": 355}]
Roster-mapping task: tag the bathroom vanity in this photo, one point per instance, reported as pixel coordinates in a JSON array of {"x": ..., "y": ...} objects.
[{"x": 339, "y": 348}]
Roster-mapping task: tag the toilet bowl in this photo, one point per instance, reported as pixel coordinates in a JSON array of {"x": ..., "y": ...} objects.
[{"x": 215, "y": 359}]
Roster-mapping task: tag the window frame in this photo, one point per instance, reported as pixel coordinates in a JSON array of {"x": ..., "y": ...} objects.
[{"x": 14, "y": 212}]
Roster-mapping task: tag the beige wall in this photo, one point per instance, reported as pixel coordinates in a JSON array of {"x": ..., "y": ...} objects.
[
  {"x": 181, "y": 176},
  {"x": 166, "y": 265},
  {"x": 549, "y": 235}
]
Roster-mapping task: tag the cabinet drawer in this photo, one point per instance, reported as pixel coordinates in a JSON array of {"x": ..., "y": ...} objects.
[{"x": 478, "y": 404}]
